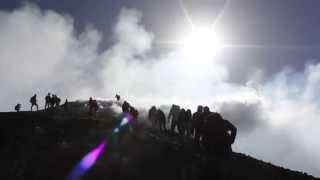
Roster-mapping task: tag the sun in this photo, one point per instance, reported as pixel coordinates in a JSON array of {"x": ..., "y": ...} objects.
[{"x": 200, "y": 44}]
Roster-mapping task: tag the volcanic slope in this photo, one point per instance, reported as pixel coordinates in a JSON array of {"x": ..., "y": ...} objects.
[{"x": 48, "y": 144}]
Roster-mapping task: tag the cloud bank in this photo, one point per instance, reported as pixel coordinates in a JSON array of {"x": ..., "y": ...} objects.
[{"x": 40, "y": 52}]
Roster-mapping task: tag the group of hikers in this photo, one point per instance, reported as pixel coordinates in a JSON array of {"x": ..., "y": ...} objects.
[
  {"x": 51, "y": 102},
  {"x": 93, "y": 106},
  {"x": 127, "y": 108},
  {"x": 157, "y": 118},
  {"x": 208, "y": 129}
]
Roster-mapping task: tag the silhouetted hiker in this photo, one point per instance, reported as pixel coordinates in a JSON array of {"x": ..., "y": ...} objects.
[
  {"x": 33, "y": 101},
  {"x": 125, "y": 107},
  {"x": 133, "y": 112},
  {"x": 118, "y": 97},
  {"x": 57, "y": 101},
  {"x": 218, "y": 135},
  {"x": 66, "y": 106},
  {"x": 187, "y": 123},
  {"x": 206, "y": 111},
  {"x": 93, "y": 106},
  {"x": 197, "y": 124},
  {"x": 47, "y": 101},
  {"x": 152, "y": 115},
  {"x": 17, "y": 107},
  {"x": 173, "y": 116},
  {"x": 181, "y": 120},
  {"x": 52, "y": 101},
  {"x": 161, "y": 118}
]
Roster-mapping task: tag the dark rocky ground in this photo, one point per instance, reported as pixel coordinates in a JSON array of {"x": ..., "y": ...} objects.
[{"x": 47, "y": 145}]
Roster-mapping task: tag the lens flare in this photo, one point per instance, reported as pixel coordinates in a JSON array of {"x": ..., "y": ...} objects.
[
  {"x": 116, "y": 130},
  {"x": 126, "y": 119},
  {"x": 87, "y": 162},
  {"x": 91, "y": 158}
]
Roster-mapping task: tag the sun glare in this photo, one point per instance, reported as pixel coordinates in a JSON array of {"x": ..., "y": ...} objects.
[{"x": 200, "y": 44}]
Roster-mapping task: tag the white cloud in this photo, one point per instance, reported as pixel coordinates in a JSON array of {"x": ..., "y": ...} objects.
[
  {"x": 288, "y": 110},
  {"x": 40, "y": 53}
]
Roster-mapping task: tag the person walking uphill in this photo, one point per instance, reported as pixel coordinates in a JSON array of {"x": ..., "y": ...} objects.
[
  {"x": 152, "y": 116},
  {"x": 197, "y": 124},
  {"x": 47, "y": 101},
  {"x": 218, "y": 135},
  {"x": 181, "y": 122},
  {"x": 188, "y": 123},
  {"x": 93, "y": 106},
  {"x": 161, "y": 118},
  {"x": 33, "y": 101},
  {"x": 173, "y": 116}
]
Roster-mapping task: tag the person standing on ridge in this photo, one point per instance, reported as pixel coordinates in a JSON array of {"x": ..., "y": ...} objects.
[
  {"x": 188, "y": 122},
  {"x": 181, "y": 122},
  {"x": 66, "y": 106},
  {"x": 33, "y": 101},
  {"x": 173, "y": 116},
  {"x": 197, "y": 123},
  {"x": 93, "y": 106},
  {"x": 161, "y": 120},
  {"x": 47, "y": 101},
  {"x": 118, "y": 97},
  {"x": 152, "y": 116},
  {"x": 218, "y": 135},
  {"x": 125, "y": 107}
]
